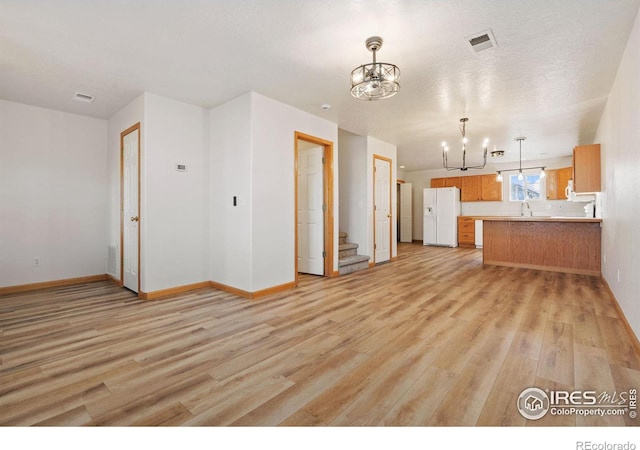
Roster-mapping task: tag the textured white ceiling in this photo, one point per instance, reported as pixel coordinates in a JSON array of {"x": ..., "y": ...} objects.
[{"x": 547, "y": 80}]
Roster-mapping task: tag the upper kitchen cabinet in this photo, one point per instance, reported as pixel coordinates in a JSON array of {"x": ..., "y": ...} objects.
[
  {"x": 586, "y": 168},
  {"x": 446, "y": 182},
  {"x": 557, "y": 181},
  {"x": 470, "y": 191},
  {"x": 491, "y": 189},
  {"x": 453, "y": 182},
  {"x": 474, "y": 188}
]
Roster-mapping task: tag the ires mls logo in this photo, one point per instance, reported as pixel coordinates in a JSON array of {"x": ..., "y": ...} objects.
[{"x": 534, "y": 403}]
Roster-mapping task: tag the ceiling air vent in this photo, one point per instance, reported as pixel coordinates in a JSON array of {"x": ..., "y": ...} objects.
[
  {"x": 80, "y": 97},
  {"x": 482, "y": 41}
]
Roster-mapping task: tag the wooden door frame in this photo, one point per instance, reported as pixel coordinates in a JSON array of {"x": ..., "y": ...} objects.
[
  {"x": 129, "y": 130},
  {"x": 382, "y": 158},
  {"x": 327, "y": 195}
]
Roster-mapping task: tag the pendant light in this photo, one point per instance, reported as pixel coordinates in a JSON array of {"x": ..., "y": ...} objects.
[{"x": 520, "y": 168}]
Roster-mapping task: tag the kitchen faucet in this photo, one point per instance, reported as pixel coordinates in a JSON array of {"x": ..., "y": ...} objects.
[{"x": 522, "y": 205}]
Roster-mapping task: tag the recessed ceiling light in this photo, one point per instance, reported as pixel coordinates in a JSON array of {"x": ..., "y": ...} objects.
[
  {"x": 80, "y": 97},
  {"x": 325, "y": 106}
]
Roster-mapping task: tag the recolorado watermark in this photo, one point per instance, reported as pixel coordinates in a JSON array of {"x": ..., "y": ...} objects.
[
  {"x": 535, "y": 403},
  {"x": 588, "y": 445}
]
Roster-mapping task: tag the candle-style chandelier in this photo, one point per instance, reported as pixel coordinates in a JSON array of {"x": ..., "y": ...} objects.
[{"x": 464, "y": 167}]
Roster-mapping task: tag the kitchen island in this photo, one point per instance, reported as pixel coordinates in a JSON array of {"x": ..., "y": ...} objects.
[{"x": 558, "y": 244}]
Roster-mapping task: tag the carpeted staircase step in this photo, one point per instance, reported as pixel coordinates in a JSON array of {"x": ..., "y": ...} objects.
[
  {"x": 352, "y": 264},
  {"x": 342, "y": 237},
  {"x": 347, "y": 250}
]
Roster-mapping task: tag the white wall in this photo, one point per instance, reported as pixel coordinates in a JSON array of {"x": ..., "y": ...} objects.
[
  {"x": 353, "y": 189},
  {"x": 173, "y": 205},
  {"x": 619, "y": 135},
  {"x": 252, "y": 157},
  {"x": 422, "y": 179},
  {"x": 381, "y": 148},
  {"x": 175, "y": 216},
  {"x": 230, "y": 249},
  {"x": 125, "y": 118},
  {"x": 53, "y": 196},
  {"x": 273, "y": 125}
]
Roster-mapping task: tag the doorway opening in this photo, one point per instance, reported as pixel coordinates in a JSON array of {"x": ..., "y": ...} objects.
[
  {"x": 404, "y": 211},
  {"x": 313, "y": 205}
]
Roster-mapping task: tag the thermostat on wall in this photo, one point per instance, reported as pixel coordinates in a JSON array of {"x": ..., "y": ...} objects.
[{"x": 181, "y": 167}]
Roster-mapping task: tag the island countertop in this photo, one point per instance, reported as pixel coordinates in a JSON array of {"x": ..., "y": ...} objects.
[
  {"x": 570, "y": 245},
  {"x": 536, "y": 219}
]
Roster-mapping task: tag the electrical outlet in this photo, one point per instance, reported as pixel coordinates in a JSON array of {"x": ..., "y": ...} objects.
[
  {"x": 36, "y": 261},
  {"x": 618, "y": 275},
  {"x": 604, "y": 258}
]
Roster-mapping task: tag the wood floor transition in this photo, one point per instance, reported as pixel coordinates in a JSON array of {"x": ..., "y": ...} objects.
[{"x": 432, "y": 339}]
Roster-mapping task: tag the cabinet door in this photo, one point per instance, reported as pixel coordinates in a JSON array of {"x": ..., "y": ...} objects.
[
  {"x": 470, "y": 189},
  {"x": 437, "y": 182},
  {"x": 466, "y": 231},
  {"x": 552, "y": 184},
  {"x": 557, "y": 180},
  {"x": 563, "y": 177},
  {"x": 453, "y": 182},
  {"x": 586, "y": 168},
  {"x": 491, "y": 190}
]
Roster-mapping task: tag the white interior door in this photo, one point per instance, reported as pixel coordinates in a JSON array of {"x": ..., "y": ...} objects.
[
  {"x": 382, "y": 209},
  {"x": 130, "y": 210},
  {"x": 406, "y": 212},
  {"x": 310, "y": 210}
]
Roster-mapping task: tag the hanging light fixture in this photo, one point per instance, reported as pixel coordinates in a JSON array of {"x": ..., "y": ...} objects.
[
  {"x": 464, "y": 167},
  {"x": 376, "y": 80},
  {"x": 520, "y": 168}
]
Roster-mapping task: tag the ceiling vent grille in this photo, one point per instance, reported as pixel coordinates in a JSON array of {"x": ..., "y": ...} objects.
[
  {"x": 482, "y": 41},
  {"x": 80, "y": 97}
]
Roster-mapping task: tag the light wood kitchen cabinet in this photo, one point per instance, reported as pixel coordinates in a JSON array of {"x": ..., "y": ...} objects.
[
  {"x": 491, "y": 190},
  {"x": 473, "y": 188},
  {"x": 466, "y": 231},
  {"x": 453, "y": 182},
  {"x": 557, "y": 181},
  {"x": 446, "y": 182},
  {"x": 586, "y": 168},
  {"x": 470, "y": 189}
]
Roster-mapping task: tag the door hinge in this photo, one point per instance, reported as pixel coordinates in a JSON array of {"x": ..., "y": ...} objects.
[
  {"x": 375, "y": 246},
  {"x": 324, "y": 206},
  {"x": 324, "y": 160},
  {"x": 324, "y": 254}
]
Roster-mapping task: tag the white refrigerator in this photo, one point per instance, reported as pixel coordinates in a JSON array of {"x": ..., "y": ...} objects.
[{"x": 441, "y": 211}]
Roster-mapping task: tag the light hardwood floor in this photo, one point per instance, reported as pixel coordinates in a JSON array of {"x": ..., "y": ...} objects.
[{"x": 432, "y": 339}]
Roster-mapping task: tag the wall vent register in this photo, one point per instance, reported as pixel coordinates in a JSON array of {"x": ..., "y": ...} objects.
[{"x": 482, "y": 41}]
